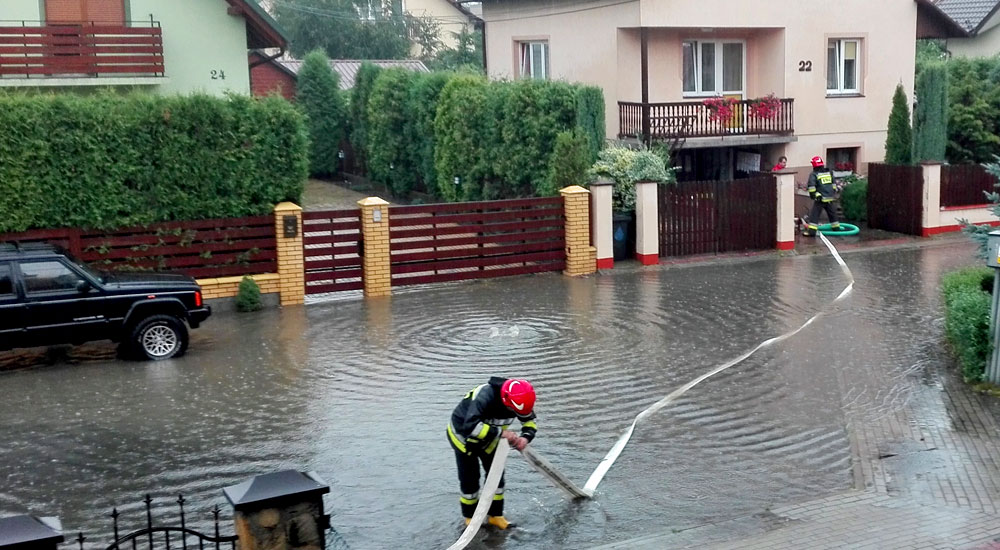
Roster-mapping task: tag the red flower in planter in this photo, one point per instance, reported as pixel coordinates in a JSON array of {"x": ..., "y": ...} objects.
[
  {"x": 765, "y": 108},
  {"x": 719, "y": 108}
]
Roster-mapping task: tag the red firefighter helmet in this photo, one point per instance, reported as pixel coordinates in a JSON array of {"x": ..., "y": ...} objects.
[
  {"x": 518, "y": 395},
  {"x": 817, "y": 162}
]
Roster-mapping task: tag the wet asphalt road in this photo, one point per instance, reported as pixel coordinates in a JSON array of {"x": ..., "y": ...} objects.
[{"x": 360, "y": 392}]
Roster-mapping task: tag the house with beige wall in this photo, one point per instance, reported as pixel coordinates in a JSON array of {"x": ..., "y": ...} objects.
[
  {"x": 976, "y": 29},
  {"x": 175, "y": 46},
  {"x": 451, "y": 17},
  {"x": 833, "y": 66}
]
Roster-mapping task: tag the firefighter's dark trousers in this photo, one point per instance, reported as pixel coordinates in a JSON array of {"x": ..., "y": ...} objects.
[
  {"x": 818, "y": 207},
  {"x": 468, "y": 480}
]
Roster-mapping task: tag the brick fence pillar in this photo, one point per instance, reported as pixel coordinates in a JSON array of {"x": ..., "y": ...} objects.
[
  {"x": 601, "y": 225},
  {"x": 931, "y": 217},
  {"x": 280, "y": 511},
  {"x": 291, "y": 266},
  {"x": 375, "y": 234},
  {"x": 581, "y": 258},
  {"x": 647, "y": 235},
  {"x": 785, "y": 180}
]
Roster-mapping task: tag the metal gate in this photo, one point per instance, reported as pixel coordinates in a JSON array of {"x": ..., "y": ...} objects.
[
  {"x": 895, "y": 198},
  {"x": 709, "y": 217}
]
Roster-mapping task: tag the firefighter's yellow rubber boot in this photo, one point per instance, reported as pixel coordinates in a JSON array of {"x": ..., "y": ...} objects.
[
  {"x": 468, "y": 520},
  {"x": 498, "y": 521}
]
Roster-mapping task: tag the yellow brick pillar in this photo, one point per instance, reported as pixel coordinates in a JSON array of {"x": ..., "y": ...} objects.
[
  {"x": 375, "y": 233},
  {"x": 291, "y": 266},
  {"x": 581, "y": 258}
]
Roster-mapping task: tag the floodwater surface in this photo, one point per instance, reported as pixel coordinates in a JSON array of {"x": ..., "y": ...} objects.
[{"x": 360, "y": 392}]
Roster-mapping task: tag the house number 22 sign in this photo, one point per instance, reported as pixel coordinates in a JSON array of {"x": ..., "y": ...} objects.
[{"x": 805, "y": 66}]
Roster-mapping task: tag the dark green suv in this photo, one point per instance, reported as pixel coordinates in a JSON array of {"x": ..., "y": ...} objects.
[{"x": 48, "y": 298}]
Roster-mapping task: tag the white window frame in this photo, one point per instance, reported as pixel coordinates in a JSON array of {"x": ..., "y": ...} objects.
[
  {"x": 718, "y": 68},
  {"x": 840, "y": 44},
  {"x": 525, "y": 64}
]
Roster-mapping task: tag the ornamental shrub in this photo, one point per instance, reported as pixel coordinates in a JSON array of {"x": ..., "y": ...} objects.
[
  {"x": 388, "y": 149},
  {"x": 248, "y": 295},
  {"x": 590, "y": 117},
  {"x": 422, "y": 102},
  {"x": 625, "y": 166},
  {"x": 930, "y": 116},
  {"x": 854, "y": 198},
  {"x": 532, "y": 112},
  {"x": 103, "y": 161},
  {"x": 570, "y": 161},
  {"x": 318, "y": 95},
  {"x": 363, "y": 83},
  {"x": 461, "y": 131},
  {"x": 898, "y": 141},
  {"x": 967, "y": 318}
]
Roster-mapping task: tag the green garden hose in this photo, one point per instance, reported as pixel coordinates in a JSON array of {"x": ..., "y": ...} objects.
[{"x": 846, "y": 230}]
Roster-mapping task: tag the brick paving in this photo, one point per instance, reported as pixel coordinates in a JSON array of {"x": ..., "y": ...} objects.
[{"x": 926, "y": 473}]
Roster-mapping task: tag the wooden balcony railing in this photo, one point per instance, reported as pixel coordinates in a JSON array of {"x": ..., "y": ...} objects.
[
  {"x": 32, "y": 50},
  {"x": 694, "y": 119}
]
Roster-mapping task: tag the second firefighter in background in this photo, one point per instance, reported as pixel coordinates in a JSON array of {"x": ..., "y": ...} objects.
[
  {"x": 477, "y": 424},
  {"x": 822, "y": 192}
]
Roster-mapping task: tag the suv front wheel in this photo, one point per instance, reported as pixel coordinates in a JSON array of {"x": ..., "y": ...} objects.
[{"x": 160, "y": 337}]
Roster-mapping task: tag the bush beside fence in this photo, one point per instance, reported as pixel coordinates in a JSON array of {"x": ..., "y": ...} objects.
[
  {"x": 967, "y": 318},
  {"x": 108, "y": 160}
]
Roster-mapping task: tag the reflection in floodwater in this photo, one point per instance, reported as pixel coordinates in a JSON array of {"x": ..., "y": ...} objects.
[{"x": 360, "y": 391}]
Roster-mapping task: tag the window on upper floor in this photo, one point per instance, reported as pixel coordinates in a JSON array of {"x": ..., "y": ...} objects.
[
  {"x": 713, "y": 67},
  {"x": 843, "y": 66},
  {"x": 77, "y": 11},
  {"x": 534, "y": 60}
]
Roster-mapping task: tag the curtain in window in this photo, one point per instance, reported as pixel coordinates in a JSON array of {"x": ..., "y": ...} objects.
[
  {"x": 850, "y": 65},
  {"x": 688, "y": 55},
  {"x": 538, "y": 60},
  {"x": 732, "y": 67},
  {"x": 708, "y": 67},
  {"x": 525, "y": 69},
  {"x": 833, "y": 66}
]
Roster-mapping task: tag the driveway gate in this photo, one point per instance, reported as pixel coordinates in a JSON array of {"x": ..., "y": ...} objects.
[
  {"x": 709, "y": 217},
  {"x": 895, "y": 198}
]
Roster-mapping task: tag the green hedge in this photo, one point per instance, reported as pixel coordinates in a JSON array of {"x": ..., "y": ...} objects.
[
  {"x": 363, "y": 84},
  {"x": 461, "y": 124},
  {"x": 854, "y": 199},
  {"x": 318, "y": 95},
  {"x": 105, "y": 160},
  {"x": 967, "y": 318},
  {"x": 497, "y": 138},
  {"x": 422, "y": 101},
  {"x": 387, "y": 147},
  {"x": 930, "y": 116}
]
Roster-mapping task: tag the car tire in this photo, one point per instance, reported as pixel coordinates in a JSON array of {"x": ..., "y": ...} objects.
[{"x": 159, "y": 337}]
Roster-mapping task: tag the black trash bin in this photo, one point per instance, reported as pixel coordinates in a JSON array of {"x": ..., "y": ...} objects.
[{"x": 622, "y": 233}]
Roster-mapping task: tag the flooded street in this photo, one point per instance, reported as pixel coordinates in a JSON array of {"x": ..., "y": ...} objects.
[{"x": 361, "y": 391}]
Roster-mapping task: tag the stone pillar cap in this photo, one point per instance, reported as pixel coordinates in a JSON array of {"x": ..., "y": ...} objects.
[
  {"x": 784, "y": 172},
  {"x": 277, "y": 485},
  {"x": 601, "y": 180},
  {"x": 372, "y": 201},
  {"x": 573, "y": 189},
  {"x": 18, "y": 530},
  {"x": 287, "y": 207}
]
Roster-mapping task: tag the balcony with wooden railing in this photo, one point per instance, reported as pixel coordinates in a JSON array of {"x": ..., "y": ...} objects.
[
  {"x": 37, "y": 51},
  {"x": 695, "y": 119}
]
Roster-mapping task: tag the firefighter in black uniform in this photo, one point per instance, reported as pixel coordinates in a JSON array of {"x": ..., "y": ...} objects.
[
  {"x": 477, "y": 424},
  {"x": 822, "y": 193}
]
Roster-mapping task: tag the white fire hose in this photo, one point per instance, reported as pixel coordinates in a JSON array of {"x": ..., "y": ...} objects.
[{"x": 572, "y": 490}]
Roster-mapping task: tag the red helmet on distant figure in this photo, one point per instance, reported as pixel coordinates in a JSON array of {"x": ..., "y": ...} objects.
[
  {"x": 518, "y": 395},
  {"x": 817, "y": 162}
]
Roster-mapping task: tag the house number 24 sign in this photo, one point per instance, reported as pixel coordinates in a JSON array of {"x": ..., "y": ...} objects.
[
  {"x": 805, "y": 66},
  {"x": 218, "y": 74}
]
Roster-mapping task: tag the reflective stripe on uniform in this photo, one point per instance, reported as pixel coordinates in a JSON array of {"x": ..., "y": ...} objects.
[
  {"x": 493, "y": 445},
  {"x": 825, "y": 178},
  {"x": 469, "y": 498},
  {"x": 530, "y": 424},
  {"x": 481, "y": 430},
  {"x": 456, "y": 440},
  {"x": 498, "y": 495}
]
